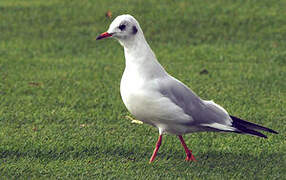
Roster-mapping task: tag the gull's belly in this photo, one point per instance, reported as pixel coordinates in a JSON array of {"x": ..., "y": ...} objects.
[
  {"x": 139, "y": 104},
  {"x": 152, "y": 108}
]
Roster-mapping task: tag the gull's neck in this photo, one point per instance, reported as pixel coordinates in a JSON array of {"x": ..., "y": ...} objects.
[
  {"x": 137, "y": 47},
  {"x": 139, "y": 57}
]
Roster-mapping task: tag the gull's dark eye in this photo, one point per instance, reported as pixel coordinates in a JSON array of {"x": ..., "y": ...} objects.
[{"x": 122, "y": 27}]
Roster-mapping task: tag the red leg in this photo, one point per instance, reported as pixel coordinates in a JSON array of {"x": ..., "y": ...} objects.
[
  {"x": 158, "y": 144},
  {"x": 190, "y": 156}
]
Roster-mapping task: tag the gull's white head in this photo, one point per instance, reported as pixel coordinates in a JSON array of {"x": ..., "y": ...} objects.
[{"x": 124, "y": 28}]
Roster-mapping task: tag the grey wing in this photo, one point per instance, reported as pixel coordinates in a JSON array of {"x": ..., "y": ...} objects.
[{"x": 203, "y": 113}]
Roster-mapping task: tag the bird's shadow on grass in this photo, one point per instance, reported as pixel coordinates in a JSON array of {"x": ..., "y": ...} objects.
[{"x": 216, "y": 161}]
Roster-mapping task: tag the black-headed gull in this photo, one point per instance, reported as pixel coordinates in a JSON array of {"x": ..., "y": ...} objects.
[{"x": 156, "y": 98}]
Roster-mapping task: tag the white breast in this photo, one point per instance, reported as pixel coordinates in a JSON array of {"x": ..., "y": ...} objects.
[
  {"x": 130, "y": 86},
  {"x": 146, "y": 103}
]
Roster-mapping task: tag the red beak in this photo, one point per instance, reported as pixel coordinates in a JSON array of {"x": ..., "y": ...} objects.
[{"x": 103, "y": 35}]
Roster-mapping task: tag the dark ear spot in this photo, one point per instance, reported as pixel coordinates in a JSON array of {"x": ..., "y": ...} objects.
[{"x": 134, "y": 29}]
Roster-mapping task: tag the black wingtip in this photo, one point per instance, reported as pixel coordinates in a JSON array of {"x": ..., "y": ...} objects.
[
  {"x": 256, "y": 133},
  {"x": 244, "y": 130},
  {"x": 272, "y": 131},
  {"x": 250, "y": 125}
]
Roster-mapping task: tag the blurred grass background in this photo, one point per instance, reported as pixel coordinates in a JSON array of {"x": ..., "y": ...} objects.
[{"x": 61, "y": 114}]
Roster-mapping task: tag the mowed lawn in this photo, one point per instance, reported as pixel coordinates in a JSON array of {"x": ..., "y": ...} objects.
[{"x": 61, "y": 114}]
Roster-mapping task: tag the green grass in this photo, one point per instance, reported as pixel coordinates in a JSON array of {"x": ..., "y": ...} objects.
[{"x": 61, "y": 115}]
